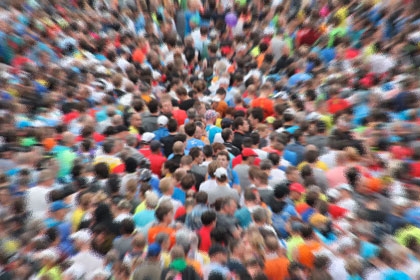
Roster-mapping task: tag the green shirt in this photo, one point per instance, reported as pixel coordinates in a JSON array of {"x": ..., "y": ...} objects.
[{"x": 292, "y": 243}]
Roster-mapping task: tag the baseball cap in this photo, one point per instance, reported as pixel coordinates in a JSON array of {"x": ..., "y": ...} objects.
[
  {"x": 145, "y": 175},
  {"x": 333, "y": 193},
  {"x": 153, "y": 250},
  {"x": 58, "y": 205},
  {"x": 50, "y": 254},
  {"x": 221, "y": 171},
  {"x": 162, "y": 120},
  {"x": 289, "y": 111},
  {"x": 210, "y": 114},
  {"x": 248, "y": 152},
  {"x": 147, "y": 137},
  {"x": 296, "y": 187},
  {"x": 346, "y": 187},
  {"x": 217, "y": 249},
  {"x": 83, "y": 235}
]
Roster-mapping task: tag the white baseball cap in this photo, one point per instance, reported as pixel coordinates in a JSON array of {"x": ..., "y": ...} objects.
[
  {"x": 162, "y": 120},
  {"x": 148, "y": 137},
  {"x": 83, "y": 235}
]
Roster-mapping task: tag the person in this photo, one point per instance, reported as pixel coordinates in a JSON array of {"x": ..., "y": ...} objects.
[
  {"x": 222, "y": 188},
  {"x": 164, "y": 216},
  {"x": 218, "y": 259},
  {"x": 208, "y": 221},
  {"x": 248, "y": 158},
  {"x": 151, "y": 268},
  {"x": 179, "y": 267}
]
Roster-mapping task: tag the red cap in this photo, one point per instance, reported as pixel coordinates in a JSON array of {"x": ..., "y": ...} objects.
[
  {"x": 296, "y": 187},
  {"x": 248, "y": 152}
]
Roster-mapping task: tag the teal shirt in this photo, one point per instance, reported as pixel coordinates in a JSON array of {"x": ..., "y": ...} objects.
[{"x": 65, "y": 157}]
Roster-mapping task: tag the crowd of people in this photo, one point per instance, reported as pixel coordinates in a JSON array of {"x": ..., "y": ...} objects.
[{"x": 231, "y": 139}]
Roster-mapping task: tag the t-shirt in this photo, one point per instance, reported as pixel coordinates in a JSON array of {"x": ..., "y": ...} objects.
[
  {"x": 276, "y": 268},
  {"x": 155, "y": 230},
  {"x": 305, "y": 253}
]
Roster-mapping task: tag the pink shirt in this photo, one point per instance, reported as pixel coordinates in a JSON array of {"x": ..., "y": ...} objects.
[{"x": 336, "y": 176}]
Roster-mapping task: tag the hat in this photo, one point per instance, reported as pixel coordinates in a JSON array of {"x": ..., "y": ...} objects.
[
  {"x": 162, "y": 120},
  {"x": 83, "y": 235},
  {"x": 217, "y": 249},
  {"x": 270, "y": 119},
  {"x": 50, "y": 254},
  {"x": 289, "y": 111},
  {"x": 155, "y": 145},
  {"x": 333, "y": 193},
  {"x": 314, "y": 116},
  {"x": 296, "y": 187},
  {"x": 147, "y": 137},
  {"x": 346, "y": 187},
  {"x": 318, "y": 220},
  {"x": 281, "y": 94},
  {"x": 221, "y": 171},
  {"x": 145, "y": 175},
  {"x": 269, "y": 31},
  {"x": 58, "y": 205},
  {"x": 248, "y": 152},
  {"x": 151, "y": 199},
  {"x": 226, "y": 122},
  {"x": 153, "y": 250},
  {"x": 210, "y": 114}
]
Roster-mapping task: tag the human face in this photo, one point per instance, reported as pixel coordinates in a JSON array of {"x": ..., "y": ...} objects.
[
  {"x": 223, "y": 161},
  {"x": 166, "y": 107},
  {"x": 136, "y": 120},
  {"x": 245, "y": 126}
]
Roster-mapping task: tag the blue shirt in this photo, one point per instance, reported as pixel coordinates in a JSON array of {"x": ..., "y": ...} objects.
[
  {"x": 179, "y": 195},
  {"x": 160, "y": 133},
  {"x": 291, "y": 157},
  {"x": 244, "y": 217},
  {"x": 144, "y": 217},
  {"x": 212, "y": 130},
  {"x": 298, "y": 149},
  {"x": 191, "y": 143}
]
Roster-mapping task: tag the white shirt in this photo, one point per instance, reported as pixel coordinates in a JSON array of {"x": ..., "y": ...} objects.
[
  {"x": 337, "y": 268},
  {"x": 37, "y": 201},
  {"x": 348, "y": 204},
  {"x": 329, "y": 159},
  {"x": 175, "y": 203},
  {"x": 261, "y": 154},
  {"x": 276, "y": 176},
  {"x": 121, "y": 217},
  {"x": 87, "y": 261}
]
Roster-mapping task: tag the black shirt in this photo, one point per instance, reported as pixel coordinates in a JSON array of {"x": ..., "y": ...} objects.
[
  {"x": 186, "y": 104},
  {"x": 168, "y": 143}
]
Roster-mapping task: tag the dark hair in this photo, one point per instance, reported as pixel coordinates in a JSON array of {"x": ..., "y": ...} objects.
[
  {"x": 172, "y": 125},
  {"x": 274, "y": 158},
  {"x": 208, "y": 151},
  {"x": 171, "y": 165},
  {"x": 306, "y": 231},
  {"x": 127, "y": 226},
  {"x": 257, "y": 113},
  {"x": 190, "y": 129},
  {"x": 195, "y": 152},
  {"x": 163, "y": 210},
  {"x": 312, "y": 198},
  {"x": 101, "y": 170},
  {"x": 108, "y": 145},
  {"x": 153, "y": 106},
  {"x": 208, "y": 217},
  {"x": 187, "y": 181},
  {"x": 311, "y": 156},
  {"x": 226, "y": 133},
  {"x": 255, "y": 138},
  {"x": 239, "y": 121}
]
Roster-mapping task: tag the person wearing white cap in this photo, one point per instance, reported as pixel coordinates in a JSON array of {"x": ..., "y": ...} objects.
[
  {"x": 346, "y": 197},
  {"x": 85, "y": 260},
  {"x": 146, "y": 138},
  {"x": 162, "y": 131},
  {"x": 222, "y": 189}
]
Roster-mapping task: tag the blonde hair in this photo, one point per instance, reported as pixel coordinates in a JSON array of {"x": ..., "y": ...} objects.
[
  {"x": 165, "y": 184},
  {"x": 352, "y": 154}
]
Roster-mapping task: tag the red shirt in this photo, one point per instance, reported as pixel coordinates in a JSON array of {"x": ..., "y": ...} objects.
[
  {"x": 336, "y": 212},
  {"x": 205, "y": 239},
  {"x": 67, "y": 118},
  {"x": 415, "y": 169},
  {"x": 145, "y": 151},
  {"x": 336, "y": 105},
  {"x": 156, "y": 162},
  {"x": 180, "y": 116},
  {"x": 96, "y": 136},
  {"x": 238, "y": 160}
]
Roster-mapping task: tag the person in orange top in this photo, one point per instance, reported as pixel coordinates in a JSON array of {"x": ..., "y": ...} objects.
[
  {"x": 276, "y": 263},
  {"x": 305, "y": 253},
  {"x": 164, "y": 215},
  {"x": 263, "y": 101}
]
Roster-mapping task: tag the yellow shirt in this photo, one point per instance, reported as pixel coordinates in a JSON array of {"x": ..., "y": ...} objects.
[
  {"x": 133, "y": 130},
  {"x": 141, "y": 207},
  {"x": 53, "y": 273},
  {"x": 319, "y": 164},
  {"x": 110, "y": 160},
  {"x": 76, "y": 219}
]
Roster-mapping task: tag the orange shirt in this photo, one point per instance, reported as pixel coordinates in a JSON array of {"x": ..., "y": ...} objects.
[
  {"x": 306, "y": 252},
  {"x": 276, "y": 268},
  {"x": 266, "y": 104},
  {"x": 155, "y": 230}
]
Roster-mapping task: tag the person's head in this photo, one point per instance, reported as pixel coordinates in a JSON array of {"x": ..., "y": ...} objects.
[
  {"x": 292, "y": 174},
  {"x": 211, "y": 169},
  {"x": 135, "y": 120},
  {"x": 260, "y": 216},
  {"x": 218, "y": 254},
  {"x": 256, "y": 116},
  {"x": 223, "y": 159},
  {"x": 166, "y": 186},
  {"x": 164, "y": 212},
  {"x": 187, "y": 182},
  {"x": 229, "y": 206},
  {"x": 227, "y": 135},
  {"x": 201, "y": 197},
  {"x": 196, "y": 155},
  {"x": 311, "y": 156},
  {"x": 127, "y": 227},
  {"x": 208, "y": 151},
  {"x": 208, "y": 218},
  {"x": 190, "y": 129},
  {"x": 172, "y": 125},
  {"x": 241, "y": 125},
  {"x": 221, "y": 176},
  {"x": 166, "y": 106}
]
